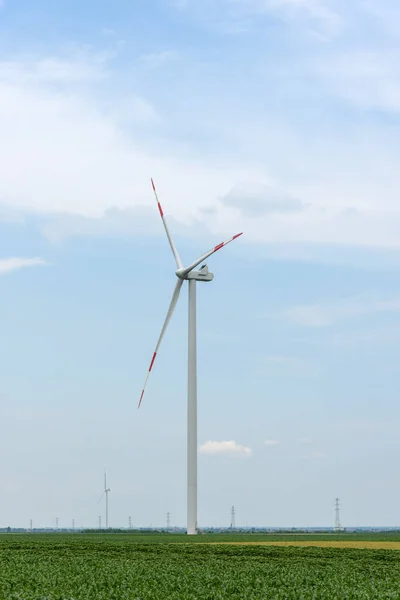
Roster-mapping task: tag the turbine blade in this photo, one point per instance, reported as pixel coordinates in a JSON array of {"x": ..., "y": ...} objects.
[
  {"x": 170, "y": 312},
  {"x": 98, "y": 501},
  {"x": 171, "y": 241},
  {"x": 184, "y": 272}
]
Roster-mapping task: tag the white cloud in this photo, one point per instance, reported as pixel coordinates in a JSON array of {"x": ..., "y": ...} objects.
[
  {"x": 11, "y": 486},
  {"x": 179, "y": 3},
  {"x": 255, "y": 200},
  {"x": 368, "y": 78},
  {"x": 228, "y": 448},
  {"x": 60, "y": 153},
  {"x": 289, "y": 366},
  {"x": 108, "y": 31},
  {"x": 156, "y": 60},
  {"x": 271, "y": 442},
  {"x": 236, "y": 16},
  {"x": 72, "y": 148},
  {"x": 371, "y": 338},
  {"x": 7, "y": 265},
  {"x": 318, "y": 455},
  {"x": 317, "y": 10},
  {"x": 323, "y": 315},
  {"x": 76, "y": 68}
]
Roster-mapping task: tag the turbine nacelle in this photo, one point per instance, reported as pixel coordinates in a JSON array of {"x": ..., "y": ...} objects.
[{"x": 203, "y": 274}]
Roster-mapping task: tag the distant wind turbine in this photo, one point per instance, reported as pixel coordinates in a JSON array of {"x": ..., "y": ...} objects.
[
  {"x": 105, "y": 492},
  {"x": 187, "y": 274}
]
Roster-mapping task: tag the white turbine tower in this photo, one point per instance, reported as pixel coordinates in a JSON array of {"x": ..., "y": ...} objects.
[
  {"x": 187, "y": 274},
  {"x": 106, "y": 492}
]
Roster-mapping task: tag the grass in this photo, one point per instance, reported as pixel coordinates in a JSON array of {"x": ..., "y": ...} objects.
[{"x": 175, "y": 567}]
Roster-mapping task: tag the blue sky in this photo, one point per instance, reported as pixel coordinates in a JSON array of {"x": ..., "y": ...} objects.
[{"x": 278, "y": 118}]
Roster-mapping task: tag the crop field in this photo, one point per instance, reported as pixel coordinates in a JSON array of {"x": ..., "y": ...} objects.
[
  {"x": 370, "y": 544},
  {"x": 209, "y": 567}
]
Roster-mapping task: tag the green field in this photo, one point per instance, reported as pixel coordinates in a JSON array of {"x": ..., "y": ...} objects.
[{"x": 137, "y": 567}]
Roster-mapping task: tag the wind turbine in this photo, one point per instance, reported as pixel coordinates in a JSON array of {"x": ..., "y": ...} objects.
[
  {"x": 192, "y": 276},
  {"x": 106, "y": 492}
]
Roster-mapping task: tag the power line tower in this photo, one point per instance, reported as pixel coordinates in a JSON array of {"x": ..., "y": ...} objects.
[
  {"x": 168, "y": 520},
  {"x": 56, "y": 522},
  {"x": 338, "y": 526},
  {"x": 73, "y": 524},
  {"x": 130, "y": 522},
  {"x": 233, "y": 513}
]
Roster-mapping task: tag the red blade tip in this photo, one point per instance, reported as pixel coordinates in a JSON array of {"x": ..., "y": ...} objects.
[
  {"x": 152, "y": 361},
  {"x": 141, "y": 398},
  {"x": 152, "y": 183}
]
